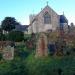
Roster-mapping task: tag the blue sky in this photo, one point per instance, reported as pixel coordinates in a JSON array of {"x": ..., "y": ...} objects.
[{"x": 21, "y": 9}]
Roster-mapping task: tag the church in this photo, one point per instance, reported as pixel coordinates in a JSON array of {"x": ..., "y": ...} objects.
[{"x": 47, "y": 20}]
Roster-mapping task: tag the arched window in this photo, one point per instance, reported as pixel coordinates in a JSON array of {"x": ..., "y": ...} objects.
[{"x": 47, "y": 18}]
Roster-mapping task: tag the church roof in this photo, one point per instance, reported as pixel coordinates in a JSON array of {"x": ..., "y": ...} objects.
[
  {"x": 63, "y": 19},
  {"x": 21, "y": 27},
  {"x": 46, "y": 7}
]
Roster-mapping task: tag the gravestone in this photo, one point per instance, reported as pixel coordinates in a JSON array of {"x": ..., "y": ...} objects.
[
  {"x": 51, "y": 48},
  {"x": 41, "y": 46},
  {"x": 8, "y": 53}
]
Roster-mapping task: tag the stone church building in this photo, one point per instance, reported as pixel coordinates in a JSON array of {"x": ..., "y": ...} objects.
[{"x": 47, "y": 20}]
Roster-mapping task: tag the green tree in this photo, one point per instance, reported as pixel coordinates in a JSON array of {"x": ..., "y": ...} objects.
[
  {"x": 1, "y": 31},
  {"x": 16, "y": 36},
  {"x": 9, "y": 23},
  {"x": 2, "y": 36}
]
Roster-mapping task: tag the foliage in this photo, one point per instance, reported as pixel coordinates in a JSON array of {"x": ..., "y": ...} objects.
[
  {"x": 50, "y": 65},
  {"x": 16, "y": 36},
  {"x": 0, "y": 56},
  {"x": 21, "y": 51},
  {"x": 18, "y": 67},
  {"x": 4, "y": 68},
  {"x": 1, "y": 31},
  {"x": 30, "y": 41},
  {"x": 14, "y": 67},
  {"x": 8, "y": 23},
  {"x": 25, "y": 62},
  {"x": 52, "y": 36},
  {"x": 2, "y": 37},
  {"x": 39, "y": 66}
]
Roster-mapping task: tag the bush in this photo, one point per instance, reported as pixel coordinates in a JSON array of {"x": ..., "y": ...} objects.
[
  {"x": 40, "y": 66},
  {"x": 21, "y": 51},
  {"x": 14, "y": 67},
  {"x": 16, "y": 36},
  {"x": 3, "y": 37},
  {"x": 50, "y": 65}
]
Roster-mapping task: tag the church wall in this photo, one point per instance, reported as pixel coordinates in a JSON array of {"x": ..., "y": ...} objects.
[
  {"x": 39, "y": 26},
  {"x": 29, "y": 29},
  {"x": 54, "y": 20},
  {"x": 34, "y": 27}
]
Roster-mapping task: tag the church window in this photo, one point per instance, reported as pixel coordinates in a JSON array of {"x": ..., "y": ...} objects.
[{"x": 47, "y": 18}]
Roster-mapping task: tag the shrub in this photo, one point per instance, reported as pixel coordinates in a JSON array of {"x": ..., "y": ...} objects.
[
  {"x": 16, "y": 36},
  {"x": 50, "y": 65},
  {"x": 2, "y": 37}
]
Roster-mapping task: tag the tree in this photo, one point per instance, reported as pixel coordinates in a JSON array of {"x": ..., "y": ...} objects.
[
  {"x": 16, "y": 36},
  {"x": 1, "y": 31},
  {"x": 9, "y": 23},
  {"x": 2, "y": 36}
]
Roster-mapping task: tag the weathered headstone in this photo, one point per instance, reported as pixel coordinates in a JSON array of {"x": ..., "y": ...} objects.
[
  {"x": 41, "y": 47},
  {"x": 8, "y": 53}
]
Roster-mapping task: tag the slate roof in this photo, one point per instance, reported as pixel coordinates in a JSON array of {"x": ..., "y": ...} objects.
[
  {"x": 63, "y": 19},
  {"x": 21, "y": 28}
]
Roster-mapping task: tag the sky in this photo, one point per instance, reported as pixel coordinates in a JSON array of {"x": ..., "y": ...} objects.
[{"x": 21, "y": 9}]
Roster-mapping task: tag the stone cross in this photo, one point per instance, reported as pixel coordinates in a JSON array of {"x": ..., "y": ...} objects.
[
  {"x": 41, "y": 46},
  {"x": 47, "y": 3}
]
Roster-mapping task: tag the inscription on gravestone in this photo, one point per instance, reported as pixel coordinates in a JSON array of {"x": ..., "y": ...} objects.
[{"x": 8, "y": 53}]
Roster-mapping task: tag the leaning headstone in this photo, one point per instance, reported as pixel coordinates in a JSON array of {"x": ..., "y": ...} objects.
[
  {"x": 41, "y": 46},
  {"x": 8, "y": 53}
]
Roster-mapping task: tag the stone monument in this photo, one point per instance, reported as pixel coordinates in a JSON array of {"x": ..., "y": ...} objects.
[
  {"x": 41, "y": 46},
  {"x": 8, "y": 53}
]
